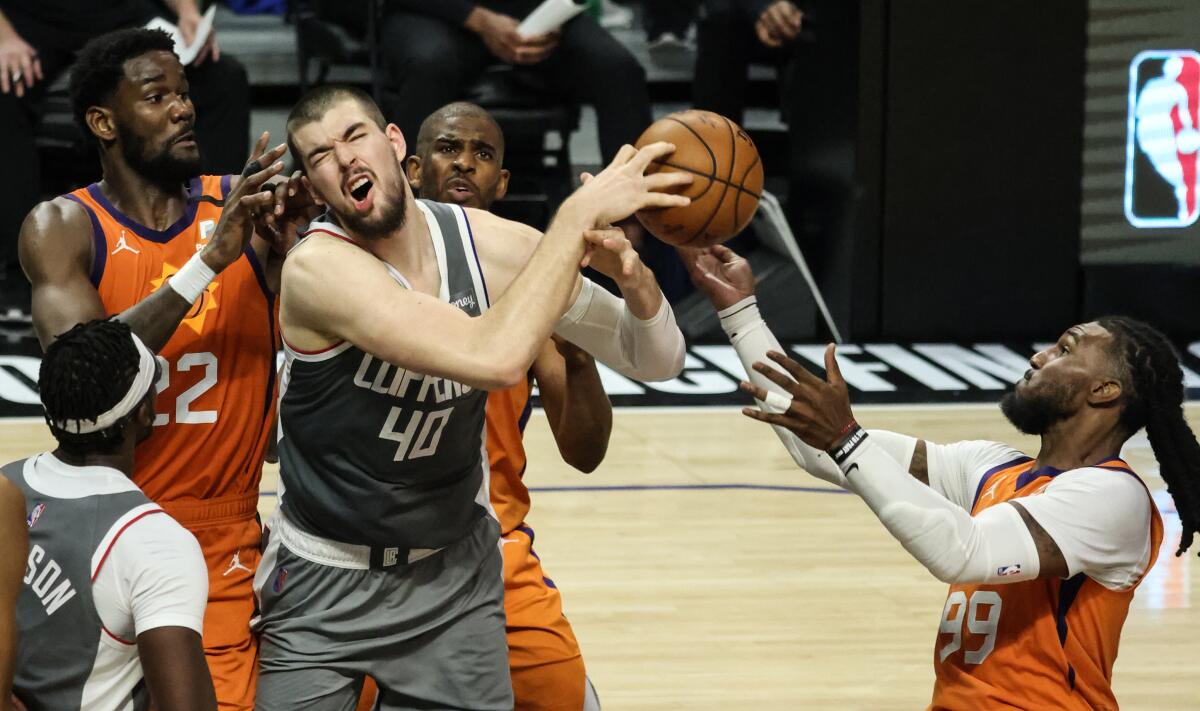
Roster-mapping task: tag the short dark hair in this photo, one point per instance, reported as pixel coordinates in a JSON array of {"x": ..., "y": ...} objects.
[
  {"x": 100, "y": 67},
  {"x": 85, "y": 372},
  {"x": 316, "y": 103},
  {"x": 455, "y": 110}
]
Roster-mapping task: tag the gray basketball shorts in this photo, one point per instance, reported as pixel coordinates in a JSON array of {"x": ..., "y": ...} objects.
[{"x": 430, "y": 631}]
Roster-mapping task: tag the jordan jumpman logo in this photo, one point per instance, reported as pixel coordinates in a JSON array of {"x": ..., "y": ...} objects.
[{"x": 123, "y": 245}]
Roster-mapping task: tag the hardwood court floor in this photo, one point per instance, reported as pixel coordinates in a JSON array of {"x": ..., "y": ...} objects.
[{"x": 703, "y": 592}]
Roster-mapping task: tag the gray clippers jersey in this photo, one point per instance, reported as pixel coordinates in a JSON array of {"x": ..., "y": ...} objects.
[
  {"x": 60, "y": 630},
  {"x": 373, "y": 454}
]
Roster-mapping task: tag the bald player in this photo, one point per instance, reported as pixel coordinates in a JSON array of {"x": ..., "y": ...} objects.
[{"x": 459, "y": 159}]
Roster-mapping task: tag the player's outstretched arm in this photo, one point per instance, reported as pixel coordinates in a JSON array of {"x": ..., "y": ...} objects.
[
  {"x": 14, "y": 548},
  {"x": 576, "y": 405},
  {"x": 56, "y": 251},
  {"x": 335, "y": 291},
  {"x": 995, "y": 546}
]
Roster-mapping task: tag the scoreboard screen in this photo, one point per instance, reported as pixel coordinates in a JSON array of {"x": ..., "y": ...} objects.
[{"x": 1141, "y": 163}]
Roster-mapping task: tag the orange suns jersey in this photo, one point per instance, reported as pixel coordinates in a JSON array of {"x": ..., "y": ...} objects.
[
  {"x": 507, "y": 413},
  {"x": 216, "y": 391},
  {"x": 1037, "y": 644}
]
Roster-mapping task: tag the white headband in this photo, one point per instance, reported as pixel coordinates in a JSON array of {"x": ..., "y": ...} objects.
[{"x": 141, "y": 385}]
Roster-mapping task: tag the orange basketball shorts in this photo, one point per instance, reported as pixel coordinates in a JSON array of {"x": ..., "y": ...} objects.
[
  {"x": 543, "y": 655},
  {"x": 231, "y": 538}
]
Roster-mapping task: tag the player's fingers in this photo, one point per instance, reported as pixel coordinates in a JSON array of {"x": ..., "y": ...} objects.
[
  {"x": 647, "y": 154},
  {"x": 664, "y": 180},
  {"x": 771, "y": 418},
  {"x": 37, "y": 68},
  {"x": 663, "y": 200},
  {"x": 253, "y": 182},
  {"x": 282, "y": 189},
  {"x": 584, "y": 178},
  {"x": 725, "y": 254},
  {"x": 27, "y": 74},
  {"x": 624, "y": 155},
  {"x": 833, "y": 372},
  {"x": 5, "y": 72},
  {"x": 259, "y": 146},
  {"x": 781, "y": 379},
  {"x": 794, "y": 369}
]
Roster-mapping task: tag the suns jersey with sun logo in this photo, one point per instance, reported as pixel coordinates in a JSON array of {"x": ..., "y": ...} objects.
[
  {"x": 216, "y": 391},
  {"x": 1046, "y": 643}
]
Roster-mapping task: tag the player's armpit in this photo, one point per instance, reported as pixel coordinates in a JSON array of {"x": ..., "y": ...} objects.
[
  {"x": 1053, "y": 564},
  {"x": 176, "y": 672},
  {"x": 55, "y": 249},
  {"x": 334, "y": 291}
]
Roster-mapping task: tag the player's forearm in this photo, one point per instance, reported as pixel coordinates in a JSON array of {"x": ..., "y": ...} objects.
[
  {"x": 992, "y": 547},
  {"x": 584, "y": 422},
  {"x": 514, "y": 329},
  {"x": 643, "y": 349},
  {"x": 155, "y": 318},
  {"x": 752, "y": 339}
]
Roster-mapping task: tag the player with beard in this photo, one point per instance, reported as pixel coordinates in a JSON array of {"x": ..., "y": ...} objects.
[
  {"x": 171, "y": 252},
  {"x": 459, "y": 159},
  {"x": 397, "y": 316},
  {"x": 1043, "y": 553}
]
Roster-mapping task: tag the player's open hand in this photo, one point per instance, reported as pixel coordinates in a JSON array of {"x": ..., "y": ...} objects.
[
  {"x": 623, "y": 187},
  {"x": 245, "y": 205},
  {"x": 720, "y": 273},
  {"x": 819, "y": 413}
]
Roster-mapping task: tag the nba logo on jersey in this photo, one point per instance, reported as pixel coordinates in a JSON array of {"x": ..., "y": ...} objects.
[
  {"x": 1162, "y": 139},
  {"x": 34, "y": 515},
  {"x": 1008, "y": 569}
]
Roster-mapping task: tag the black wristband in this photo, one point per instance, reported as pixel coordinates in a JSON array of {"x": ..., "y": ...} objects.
[{"x": 848, "y": 444}]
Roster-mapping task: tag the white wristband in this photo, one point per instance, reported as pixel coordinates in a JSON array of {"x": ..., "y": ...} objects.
[{"x": 191, "y": 281}]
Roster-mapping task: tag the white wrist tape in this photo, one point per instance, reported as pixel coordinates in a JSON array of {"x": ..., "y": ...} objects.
[
  {"x": 603, "y": 325},
  {"x": 191, "y": 281},
  {"x": 752, "y": 339},
  {"x": 993, "y": 547}
]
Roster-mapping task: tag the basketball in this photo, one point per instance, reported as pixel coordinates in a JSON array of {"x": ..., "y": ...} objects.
[{"x": 727, "y": 185}]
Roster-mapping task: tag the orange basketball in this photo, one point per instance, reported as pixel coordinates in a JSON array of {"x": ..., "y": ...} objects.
[{"x": 727, "y": 185}]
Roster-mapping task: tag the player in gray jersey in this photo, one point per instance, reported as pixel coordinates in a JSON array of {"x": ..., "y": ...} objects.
[
  {"x": 112, "y": 602},
  {"x": 397, "y": 316},
  {"x": 14, "y": 547}
]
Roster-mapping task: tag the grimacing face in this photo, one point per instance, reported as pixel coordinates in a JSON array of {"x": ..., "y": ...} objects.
[
  {"x": 463, "y": 163},
  {"x": 154, "y": 119},
  {"x": 354, "y": 168},
  {"x": 1061, "y": 379}
]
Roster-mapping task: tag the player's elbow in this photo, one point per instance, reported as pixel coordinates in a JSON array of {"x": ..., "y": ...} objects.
[{"x": 586, "y": 459}]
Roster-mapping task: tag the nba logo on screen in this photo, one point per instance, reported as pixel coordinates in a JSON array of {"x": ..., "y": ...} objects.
[{"x": 1163, "y": 138}]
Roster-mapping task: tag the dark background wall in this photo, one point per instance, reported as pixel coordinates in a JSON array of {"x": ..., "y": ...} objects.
[{"x": 948, "y": 195}]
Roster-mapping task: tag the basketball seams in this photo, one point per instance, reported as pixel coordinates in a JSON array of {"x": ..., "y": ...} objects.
[
  {"x": 727, "y": 182},
  {"x": 712, "y": 157},
  {"x": 737, "y": 202},
  {"x": 712, "y": 179}
]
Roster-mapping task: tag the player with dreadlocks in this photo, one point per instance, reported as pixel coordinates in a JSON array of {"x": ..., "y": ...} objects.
[
  {"x": 112, "y": 607},
  {"x": 1042, "y": 553}
]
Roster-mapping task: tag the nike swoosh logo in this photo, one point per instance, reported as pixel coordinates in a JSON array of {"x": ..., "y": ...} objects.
[{"x": 853, "y": 467}]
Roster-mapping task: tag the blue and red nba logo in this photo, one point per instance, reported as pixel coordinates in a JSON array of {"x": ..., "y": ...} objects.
[
  {"x": 280, "y": 579},
  {"x": 34, "y": 515},
  {"x": 1163, "y": 138}
]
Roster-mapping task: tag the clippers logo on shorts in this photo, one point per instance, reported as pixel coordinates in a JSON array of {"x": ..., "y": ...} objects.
[
  {"x": 34, "y": 515},
  {"x": 1163, "y": 139}
]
